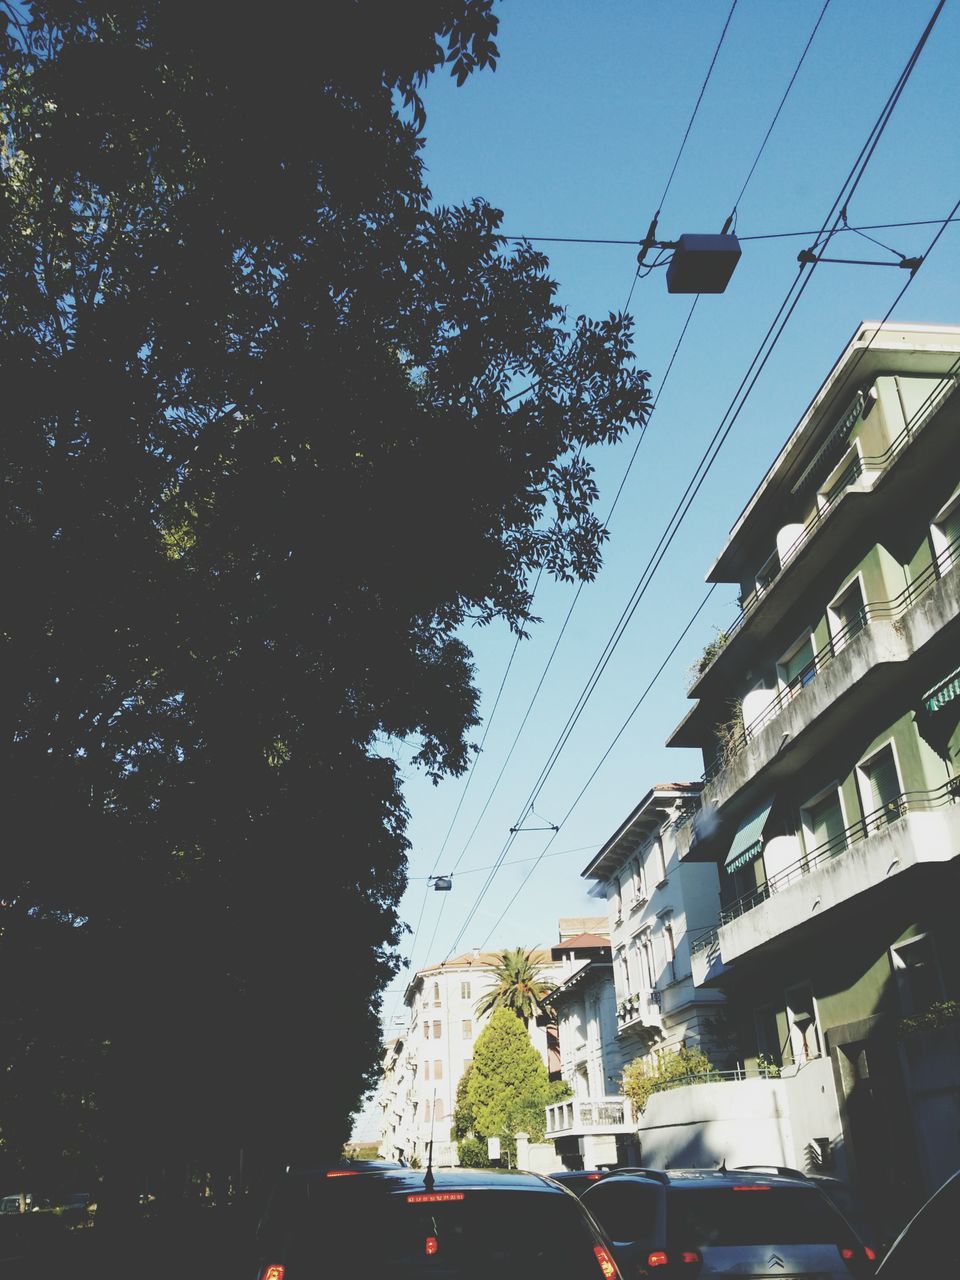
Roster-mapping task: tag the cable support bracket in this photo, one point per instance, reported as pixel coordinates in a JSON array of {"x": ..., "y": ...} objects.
[{"x": 807, "y": 257}]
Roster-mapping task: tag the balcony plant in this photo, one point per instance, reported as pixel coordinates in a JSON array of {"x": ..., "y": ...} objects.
[
  {"x": 648, "y": 1075},
  {"x": 711, "y": 650}
]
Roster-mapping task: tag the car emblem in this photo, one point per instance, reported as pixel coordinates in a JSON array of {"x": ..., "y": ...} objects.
[{"x": 775, "y": 1261}]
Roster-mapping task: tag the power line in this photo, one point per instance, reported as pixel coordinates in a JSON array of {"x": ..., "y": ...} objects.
[
  {"x": 776, "y": 114},
  {"x": 683, "y": 143},
  {"x": 600, "y": 763},
  {"x": 766, "y": 235},
  {"x": 772, "y": 336}
]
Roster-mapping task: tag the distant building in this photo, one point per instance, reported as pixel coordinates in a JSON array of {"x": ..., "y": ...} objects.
[
  {"x": 828, "y": 714},
  {"x": 423, "y": 1067}
]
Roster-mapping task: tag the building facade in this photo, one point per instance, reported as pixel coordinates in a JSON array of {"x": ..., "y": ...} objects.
[
  {"x": 828, "y": 715},
  {"x": 656, "y": 905},
  {"x": 418, "y": 1089}
]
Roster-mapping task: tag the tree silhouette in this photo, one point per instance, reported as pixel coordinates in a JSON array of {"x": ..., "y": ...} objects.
[{"x": 263, "y": 458}]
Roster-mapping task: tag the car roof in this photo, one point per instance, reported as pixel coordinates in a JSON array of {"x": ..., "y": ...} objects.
[
  {"x": 416, "y": 1180},
  {"x": 719, "y": 1178}
]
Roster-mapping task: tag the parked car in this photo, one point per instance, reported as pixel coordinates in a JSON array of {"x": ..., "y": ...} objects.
[
  {"x": 929, "y": 1245},
  {"x": 705, "y": 1222},
  {"x": 458, "y": 1224}
]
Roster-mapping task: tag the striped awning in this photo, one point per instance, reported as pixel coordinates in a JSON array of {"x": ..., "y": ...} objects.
[
  {"x": 748, "y": 841},
  {"x": 944, "y": 691}
]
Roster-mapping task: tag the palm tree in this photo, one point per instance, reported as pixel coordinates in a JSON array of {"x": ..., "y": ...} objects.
[{"x": 517, "y": 986}]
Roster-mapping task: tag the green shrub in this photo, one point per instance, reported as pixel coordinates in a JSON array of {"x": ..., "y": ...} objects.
[
  {"x": 472, "y": 1153},
  {"x": 645, "y": 1076}
]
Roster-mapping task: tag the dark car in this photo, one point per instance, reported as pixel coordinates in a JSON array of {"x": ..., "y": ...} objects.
[
  {"x": 839, "y": 1192},
  {"x": 929, "y": 1245},
  {"x": 577, "y": 1180},
  {"x": 458, "y": 1224},
  {"x": 704, "y": 1222}
]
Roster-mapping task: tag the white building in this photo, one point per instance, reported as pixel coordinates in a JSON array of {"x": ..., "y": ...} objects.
[
  {"x": 657, "y": 906},
  {"x": 418, "y": 1092}
]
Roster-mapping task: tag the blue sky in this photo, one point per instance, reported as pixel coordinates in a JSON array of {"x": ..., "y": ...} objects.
[{"x": 574, "y": 135}]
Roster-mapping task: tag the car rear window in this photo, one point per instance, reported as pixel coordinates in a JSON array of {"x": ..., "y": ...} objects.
[
  {"x": 477, "y": 1235},
  {"x": 703, "y": 1217}
]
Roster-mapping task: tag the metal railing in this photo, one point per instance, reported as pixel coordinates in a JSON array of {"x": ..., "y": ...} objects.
[
  {"x": 719, "y": 1077},
  {"x": 887, "y": 610},
  {"x": 895, "y": 808},
  {"x": 877, "y": 463},
  {"x": 704, "y": 941}
]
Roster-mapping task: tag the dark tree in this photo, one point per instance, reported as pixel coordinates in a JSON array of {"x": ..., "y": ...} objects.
[{"x": 263, "y": 459}]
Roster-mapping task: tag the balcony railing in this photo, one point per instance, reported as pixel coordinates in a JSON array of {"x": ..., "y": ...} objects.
[
  {"x": 897, "y": 807},
  {"x": 577, "y": 1115},
  {"x": 876, "y": 463},
  {"x": 887, "y": 610},
  {"x": 641, "y": 1008}
]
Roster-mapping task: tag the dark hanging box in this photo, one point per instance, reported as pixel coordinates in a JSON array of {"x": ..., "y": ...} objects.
[{"x": 702, "y": 264}]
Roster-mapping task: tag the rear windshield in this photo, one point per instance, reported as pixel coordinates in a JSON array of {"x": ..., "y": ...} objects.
[
  {"x": 499, "y": 1234},
  {"x": 701, "y": 1217}
]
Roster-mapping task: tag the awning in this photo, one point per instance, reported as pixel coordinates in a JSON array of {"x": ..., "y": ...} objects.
[
  {"x": 747, "y": 843},
  {"x": 944, "y": 691}
]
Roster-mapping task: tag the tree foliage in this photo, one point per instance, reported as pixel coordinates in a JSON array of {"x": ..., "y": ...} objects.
[
  {"x": 263, "y": 460},
  {"x": 517, "y": 985},
  {"x": 508, "y": 1086},
  {"x": 655, "y": 1071}
]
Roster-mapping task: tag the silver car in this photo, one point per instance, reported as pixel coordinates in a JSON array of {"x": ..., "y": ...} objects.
[{"x": 703, "y": 1222}]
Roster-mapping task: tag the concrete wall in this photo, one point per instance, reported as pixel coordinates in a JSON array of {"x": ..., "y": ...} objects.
[{"x": 700, "y": 1125}]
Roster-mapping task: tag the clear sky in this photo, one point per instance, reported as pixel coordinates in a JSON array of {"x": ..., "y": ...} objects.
[{"x": 575, "y": 135}]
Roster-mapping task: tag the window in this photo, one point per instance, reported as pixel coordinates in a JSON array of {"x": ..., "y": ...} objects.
[
  {"x": 436, "y": 1031},
  {"x": 671, "y": 949},
  {"x": 660, "y": 859},
  {"x": 438, "y": 1068},
  {"x": 426, "y": 1030},
  {"x": 436, "y": 993},
  {"x": 768, "y": 1034},
  {"x": 617, "y": 896},
  {"x": 467, "y": 1064},
  {"x": 426, "y": 1068},
  {"x": 804, "y": 1031},
  {"x": 625, "y": 1210},
  {"x": 639, "y": 889},
  {"x": 624, "y": 970},
  {"x": 464, "y": 990},
  {"x": 797, "y": 667},
  {"x": 881, "y": 792},
  {"x": 767, "y": 572},
  {"x": 438, "y": 1109},
  {"x": 946, "y": 535},
  {"x": 467, "y": 1029},
  {"x": 648, "y": 973},
  {"x": 917, "y": 973},
  {"x": 847, "y": 615},
  {"x": 823, "y": 824}
]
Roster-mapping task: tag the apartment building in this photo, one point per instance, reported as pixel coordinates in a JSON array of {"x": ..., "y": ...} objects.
[
  {"x": 418, "y": 1089},
  {"x": 828, "y": 714}
]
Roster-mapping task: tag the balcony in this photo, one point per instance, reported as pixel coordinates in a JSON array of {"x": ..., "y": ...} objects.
[
  {"x": 764, "y": 607},
  {"x": 913, "y": 828},
  {"x": 640, "y": 1012},
  {"x": 706, "y": 962},
  {"x": 576, "y": 1116},
  {"x": 859, "y": 665}
]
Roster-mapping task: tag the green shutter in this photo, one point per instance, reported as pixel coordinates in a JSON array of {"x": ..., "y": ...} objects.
[
  {"x": 884, "y": 783},
  {"x": 824, "y": 822},
  {"x": 793, "y": 666},
  {"x": 944, "y": 691},
  {"x": 748, "y": 841}
]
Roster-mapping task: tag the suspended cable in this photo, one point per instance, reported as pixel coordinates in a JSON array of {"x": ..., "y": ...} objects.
[
  {"x": 767, "y": 235},
  {"x": 758, "y": 363}
]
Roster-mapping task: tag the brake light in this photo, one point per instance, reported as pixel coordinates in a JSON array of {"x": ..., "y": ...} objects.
[
  {"x": 434, "y": 1197},
  {"x": 657, "y": 1259},
  {"x": 431, "y": 1246},
  {"x": 340, "y": 1173},
  {"x": 592, "y": 1177},
  {"x": 847, "y": 1255},
  {"x": 273, "y": 1272},
  {"x": 691, "y": 1257},
  {"x": 754, "y": 1186},
  {"x": 607, "y": 1264},
  {"x": 869, "y": 1254}
]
